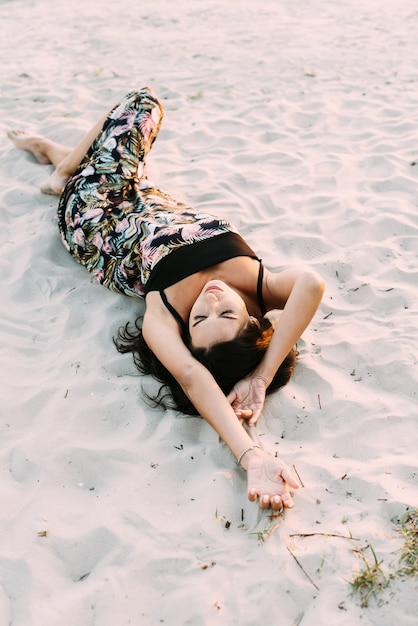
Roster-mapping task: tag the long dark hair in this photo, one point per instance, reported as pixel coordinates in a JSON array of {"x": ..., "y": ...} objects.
[{"x": 227, "y": 361}]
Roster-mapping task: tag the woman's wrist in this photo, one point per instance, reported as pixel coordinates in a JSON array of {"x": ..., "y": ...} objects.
[
  {"x": 248, "y": 454},
  {"x": 246, "y": 451},
  {"x": 261, "y": 377}
]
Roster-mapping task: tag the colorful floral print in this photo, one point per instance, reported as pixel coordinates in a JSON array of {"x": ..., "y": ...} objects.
[{"x": 112, "y": 219}]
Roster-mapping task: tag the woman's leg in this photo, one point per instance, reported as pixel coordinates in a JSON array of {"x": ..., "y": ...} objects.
[
  {"x": 64, "y": 158},
  {"x": 135, "y": 120},
  {"x": 43, "y": 149},
  {"x": 101, "y": 205},
  {"x": 71, "y": 160}
]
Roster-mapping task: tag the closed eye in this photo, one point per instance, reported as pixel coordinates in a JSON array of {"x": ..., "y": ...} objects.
[
  {"x": 228, "y": 315},
  {"x": 197, "y": 319}
]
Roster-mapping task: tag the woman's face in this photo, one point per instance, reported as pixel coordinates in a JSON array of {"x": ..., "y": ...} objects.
[{"x": 217, "y": 315}]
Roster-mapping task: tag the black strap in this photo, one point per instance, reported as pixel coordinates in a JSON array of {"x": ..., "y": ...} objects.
[
  {"x": 260, "y": 290},
  {"x": 176, "y": 315}
]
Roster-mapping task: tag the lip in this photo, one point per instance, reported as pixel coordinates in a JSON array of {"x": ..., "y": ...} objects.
[{"x": 212, "y": 288}]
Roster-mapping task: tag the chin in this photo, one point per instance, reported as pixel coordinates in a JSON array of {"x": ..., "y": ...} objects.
[{"x": 217, "y": 282}]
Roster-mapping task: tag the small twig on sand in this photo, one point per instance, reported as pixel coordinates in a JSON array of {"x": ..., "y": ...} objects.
[
  {"x": 323, "y": 535},
  {"x": 303, "y": 570},
  {"x": 297, "y": 474}
]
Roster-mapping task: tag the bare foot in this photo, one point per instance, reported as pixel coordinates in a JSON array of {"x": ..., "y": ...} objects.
[
  {"x": 40, "y": 147},
  {"x": 35, "y": 144},
  {"x": 54, "y": 185}
]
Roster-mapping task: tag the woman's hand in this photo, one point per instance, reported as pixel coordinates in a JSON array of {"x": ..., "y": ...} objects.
[
  {"x": 269, "y": 480},
  {"x": 247, "y": 398}
]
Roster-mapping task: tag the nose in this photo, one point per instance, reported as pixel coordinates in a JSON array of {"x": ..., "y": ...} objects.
[{"x": 212, "y": 299}]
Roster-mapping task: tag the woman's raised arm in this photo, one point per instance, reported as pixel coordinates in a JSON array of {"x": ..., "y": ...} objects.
[
  {"x": 298, "y": 292},
  {"x": 268, "y": 477}
]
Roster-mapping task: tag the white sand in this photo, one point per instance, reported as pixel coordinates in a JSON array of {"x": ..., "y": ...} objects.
[{"x": 298, "y": 120}]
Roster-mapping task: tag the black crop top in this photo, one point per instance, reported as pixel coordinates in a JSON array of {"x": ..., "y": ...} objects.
[{"x": 193, "y": 258}]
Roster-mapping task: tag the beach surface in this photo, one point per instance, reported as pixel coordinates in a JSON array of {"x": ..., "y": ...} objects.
[{"x": 297, "y": 121}]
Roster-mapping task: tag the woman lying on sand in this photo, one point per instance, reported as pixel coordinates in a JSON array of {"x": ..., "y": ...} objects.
[{"x": 205, "y": 335}]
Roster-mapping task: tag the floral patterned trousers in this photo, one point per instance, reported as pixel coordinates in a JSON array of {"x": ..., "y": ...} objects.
[{"x": 112, "y": 219}]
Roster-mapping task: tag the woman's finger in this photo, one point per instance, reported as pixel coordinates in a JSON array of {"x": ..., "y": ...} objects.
[
  {"x": 287, "y": 476},
  {"x": 232, "y": 396}
]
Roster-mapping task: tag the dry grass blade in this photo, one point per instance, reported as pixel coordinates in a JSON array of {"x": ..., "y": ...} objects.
[
  {"x": 409, "y": 556},
  {"x": 265, "y": 534}
]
